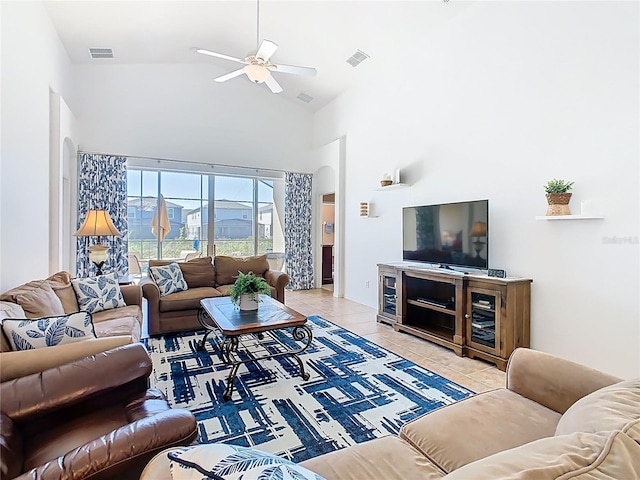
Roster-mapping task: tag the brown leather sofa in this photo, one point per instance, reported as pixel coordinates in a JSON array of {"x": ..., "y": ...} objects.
[
  {"x": 90, "y": 419},
  {"x": 113, "y": 328},
  {"x": 205, "y": 278}
]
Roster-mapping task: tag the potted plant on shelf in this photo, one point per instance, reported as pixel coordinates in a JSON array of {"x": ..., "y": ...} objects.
[
  {"x": 558, "y": 197},
  {"x": 245, "y": 292}
]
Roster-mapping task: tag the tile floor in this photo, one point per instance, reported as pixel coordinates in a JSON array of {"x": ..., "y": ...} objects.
[{"x": 474, "y": 374}]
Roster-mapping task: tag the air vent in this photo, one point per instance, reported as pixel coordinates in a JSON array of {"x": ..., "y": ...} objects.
[
  {"x": 357, "y": 58},
  {"x": 304, "y": 97},
  {"x": 101, "y": 53}
]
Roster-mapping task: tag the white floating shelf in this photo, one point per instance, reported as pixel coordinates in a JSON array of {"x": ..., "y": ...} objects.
[
  {"x": 393, "y": 186},
  {"x": 570, "y": 217}
]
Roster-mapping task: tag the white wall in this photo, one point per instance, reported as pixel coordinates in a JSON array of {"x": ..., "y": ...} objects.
[
  {"x": 507, "y": 96},
  {"x": 178, "y": 112},
  {"x": 33, "y": 63}
]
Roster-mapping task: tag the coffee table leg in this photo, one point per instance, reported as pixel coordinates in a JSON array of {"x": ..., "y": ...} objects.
[
  {"x": 230, "y": 345},
  {"x": 230, "y": 381},
  {"x": 202, "y": 317},
  {"x": 202, "y": 342},
  {"x": 299, "y": 334}
]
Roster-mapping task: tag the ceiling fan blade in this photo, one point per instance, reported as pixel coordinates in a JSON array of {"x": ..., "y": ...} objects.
[
  {"x": 273, "y": 85},
  {"x": 306, "y": 71},
  {"x": 218, "y": 55},
  {"x": 229, "y": 76},
  {"x": 267, "y": 48}
]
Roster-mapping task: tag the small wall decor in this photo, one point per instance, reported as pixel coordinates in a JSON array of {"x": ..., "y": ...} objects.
[
  {"x": 328, "y": 228},
  {"x": 364, "y": 209}
]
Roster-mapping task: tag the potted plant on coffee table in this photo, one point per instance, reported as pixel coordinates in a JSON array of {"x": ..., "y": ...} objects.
[
  {"x": 558, "y": 197},
  {"x": 245, "y": 292}
]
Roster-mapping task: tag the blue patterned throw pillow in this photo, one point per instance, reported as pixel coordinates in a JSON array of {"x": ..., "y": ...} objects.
[
  {"x": 217, "y": 461},
  {"x": 32, "y": 333},
  {"x": 98, "y": 293},
  {"x": 168, "y": 278}
]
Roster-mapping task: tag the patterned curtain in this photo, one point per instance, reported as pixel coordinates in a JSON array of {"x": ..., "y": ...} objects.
[
  {"x": 102, "y": 185},
  {"x": 297, "y": 230}
]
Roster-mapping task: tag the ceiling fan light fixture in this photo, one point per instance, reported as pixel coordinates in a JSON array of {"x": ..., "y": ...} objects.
[{"x": 257, "y": 73}]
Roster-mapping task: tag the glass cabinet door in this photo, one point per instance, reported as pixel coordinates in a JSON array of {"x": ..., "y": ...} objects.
[
  {"x": 483, "y": 317},
  {"x": 389, "y": 294}
]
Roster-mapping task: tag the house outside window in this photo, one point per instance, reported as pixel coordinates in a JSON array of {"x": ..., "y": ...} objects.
[{"x": 239, "y": 206}]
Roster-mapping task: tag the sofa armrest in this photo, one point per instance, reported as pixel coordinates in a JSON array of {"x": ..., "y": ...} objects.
[
  {"x": 35, "y": 395},
  {"x": 551, "y": 381},
  {"x": 26, "y": 362},
  {"x": 278, "y": 280},
  {"x": 122, "y": 451},
  {"x": 132, "y": 294},
  {"x": 151, "y": 292}
]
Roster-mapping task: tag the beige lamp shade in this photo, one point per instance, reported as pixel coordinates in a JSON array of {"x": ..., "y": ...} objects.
[
  {"x": 479, "y": 229},
  {"x": 96, "y": 224}
]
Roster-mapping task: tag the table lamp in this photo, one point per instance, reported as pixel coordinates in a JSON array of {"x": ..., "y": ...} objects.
[
  {"x": 98, "y": 223},
  {"x": 479, "y": 229}
]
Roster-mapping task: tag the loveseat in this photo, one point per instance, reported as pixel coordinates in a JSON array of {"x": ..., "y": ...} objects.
[
  {"x": 54, "y": 296},
  {"x": 554, "y": 420},
  {"x": 205, "y": 278}
]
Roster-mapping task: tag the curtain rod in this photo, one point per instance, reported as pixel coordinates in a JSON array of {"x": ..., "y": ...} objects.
[{"x": 190, "y": 162}]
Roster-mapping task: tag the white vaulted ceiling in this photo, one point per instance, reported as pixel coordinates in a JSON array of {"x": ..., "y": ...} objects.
[{"x": 320, "y": 34}]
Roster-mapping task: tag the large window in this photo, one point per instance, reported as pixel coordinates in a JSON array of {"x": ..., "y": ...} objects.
[{"x": 242, "y": 219}]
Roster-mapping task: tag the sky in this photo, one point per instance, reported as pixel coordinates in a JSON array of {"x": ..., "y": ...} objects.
[{"x": 177, "y": 187}]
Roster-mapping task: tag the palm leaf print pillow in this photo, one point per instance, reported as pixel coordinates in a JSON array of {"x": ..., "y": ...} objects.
[
  {"x": 217, "y": 461},
  {"x": 99, "y": 293},
  {"x": 168, "y": 278},
  {"x": 32, "y": 333}
]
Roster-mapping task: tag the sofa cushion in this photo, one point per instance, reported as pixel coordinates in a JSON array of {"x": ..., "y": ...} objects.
[
  {"x": 187, "y": 300},
  {"x": 232, "y": 462},
  {"x": 98, "y": 293},
  {"x": 479, "y": 426},
  {"x": 61, "y": 284},
  {"x": 385, "y": 458},
  {"x": 579, "y": 456},
  {"x": 198, "y": 272},
  {"x": 8, "y": 310},
  {"x": 129, "y": 326},
  {"x": 224, "y": 290},
  {"x": 616, "y": 407},
  {"x": 29, "y": 334},
  {"x": 168, "y": 278},
  {"x": 227, "y": 268},
  {"x": 10, "y": 295},
  {"x": 113, "y": 314},
  {"x": 40, "y": 302}
]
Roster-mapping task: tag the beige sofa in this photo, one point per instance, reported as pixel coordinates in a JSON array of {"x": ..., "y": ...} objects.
[
  {"x": 41, "y": 298},
  {"x": 205, "y": 278},
  {"x": 555, "y": 420}
]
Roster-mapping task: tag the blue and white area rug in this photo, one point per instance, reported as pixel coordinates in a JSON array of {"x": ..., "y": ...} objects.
[{"x": 357, "y": 391}]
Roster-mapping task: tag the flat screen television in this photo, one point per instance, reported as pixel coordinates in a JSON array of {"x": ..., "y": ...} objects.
[{"x": 455, "y": 234}]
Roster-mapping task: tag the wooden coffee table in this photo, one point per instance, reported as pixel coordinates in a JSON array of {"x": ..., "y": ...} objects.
[{"x": 221, "y": 316}]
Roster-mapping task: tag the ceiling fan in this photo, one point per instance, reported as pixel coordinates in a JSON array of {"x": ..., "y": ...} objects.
[{"x": 258, "y": 66}]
